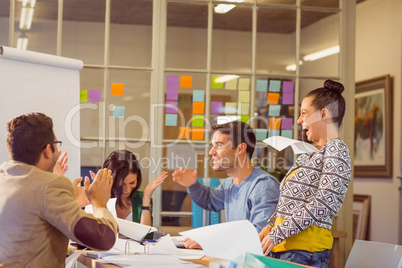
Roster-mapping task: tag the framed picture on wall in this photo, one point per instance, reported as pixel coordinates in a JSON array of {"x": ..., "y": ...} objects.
[
  {"x": 361, "y": 216},
  {"x": 373, "y": 128}
]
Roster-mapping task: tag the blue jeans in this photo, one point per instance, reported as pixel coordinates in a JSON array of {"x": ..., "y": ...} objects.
[{"x": 315, "y": 259}]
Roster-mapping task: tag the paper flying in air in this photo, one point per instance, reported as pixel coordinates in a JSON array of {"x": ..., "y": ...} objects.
[{"x": 299, "y": 147}]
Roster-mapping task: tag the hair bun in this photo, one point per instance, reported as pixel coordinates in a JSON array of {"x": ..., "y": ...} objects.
[{"x": 334, "y": 86}]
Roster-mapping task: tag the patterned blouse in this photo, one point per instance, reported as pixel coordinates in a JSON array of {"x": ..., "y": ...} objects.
[{"x": 315, "y": 192}]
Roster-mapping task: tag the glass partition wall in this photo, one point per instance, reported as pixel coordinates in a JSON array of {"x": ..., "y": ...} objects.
[{"x": 158, "y": 74}]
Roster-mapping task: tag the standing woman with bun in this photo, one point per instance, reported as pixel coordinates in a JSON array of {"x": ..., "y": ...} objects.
[{"x": 313, "y": 190}]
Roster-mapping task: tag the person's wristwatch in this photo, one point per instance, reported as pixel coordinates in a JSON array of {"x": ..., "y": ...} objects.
[{"x": 146, "y": 207}]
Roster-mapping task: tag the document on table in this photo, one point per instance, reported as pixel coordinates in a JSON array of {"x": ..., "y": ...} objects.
[
  {"x": 229, "y": 240},
  {"x": 299, "y": 147},
  {"x": 166, "y": 245}
]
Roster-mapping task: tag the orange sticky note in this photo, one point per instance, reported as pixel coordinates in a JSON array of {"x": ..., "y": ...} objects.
[
  {"x": 186, "y": 81},
  {"x": 184, "y": 133},
  {"x": 197, "y": 134},
  {"x": 198, "y": 107},
  {"x": 117, "y": 88},
  {"x": 273, "y": 98},
  {"x": 275, "y": 123}
]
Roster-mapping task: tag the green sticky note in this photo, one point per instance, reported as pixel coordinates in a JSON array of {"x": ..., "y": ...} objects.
[
  {"x": 215, "y": 84},
  {"x": 171, "y": 120},
  {"x": 198, "y": 120},
  {"x": 231, "y": 84},
  {"x": 262, "y": 85},
  {"x": 244, "y": 84},
  {"x": 274, "y": 85},
  {"x": 244, "y": 118},
  {"x": 118, "y": 111},
  {"x": 244, "y": 96},
  {"x": 83, "y": 95},
  {"x": 261, "y": 134},
  {"x": 274, "y": 110},
  {"x": 287, "y": 133}
]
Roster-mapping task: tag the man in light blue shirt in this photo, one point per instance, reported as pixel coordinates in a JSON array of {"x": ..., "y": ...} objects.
[{"x": 249, "y": 193}]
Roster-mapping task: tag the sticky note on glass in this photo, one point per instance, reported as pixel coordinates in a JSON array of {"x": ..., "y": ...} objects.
[
  {"x": 287, "y": 134},
  {"x": 94, "y": 96},
  {"x": 197, "y": 134},
  {"x": 117, "y": 88},
  {"x": 244, "y": 84},
  {"x": 216, "y": 107},
  {"x": 273, "y": 132},
  {"x": 215, "y": 84},
  {"x": 245, "y": 118},
  {"x": 186, "y": 81},
  {"x": 262, "y": 85},
  {"x": 273, "y": 98},
  {"x": 244, "y": 108},
  {"x": 287, "y": 123},
  {"x": 288, "y": 86},
  {"x": 274, "y": 85},
  {"x": 170, "y": 119},
  {"x": 198, "y": 95},
  {"x": 172, "y": 81},
  {"x": 244, "y": 96},
  {"x": 261, "y": 134},
  {"x": 274, "y": 123},
  {"x": 198, "y": 121},
  {"x": 231, "y": 84},
  {"x": 172, "y": 94},
  {"x": 287, "y": 98},
  {"x": 274, "y": 110},
  {"x": 230, "y": 108},
  {"x": 184, "y": 133},
  {"x": 198, "y": 107},
  {"x": 83, "y": 95},
  {"x": 171, "y": 107},
  {"x": 119, "y": 111}
]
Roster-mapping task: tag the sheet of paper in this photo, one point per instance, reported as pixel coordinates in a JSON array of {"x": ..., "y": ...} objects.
[
  {"x": 134, "y": 230},
  {"x": 166, "y": 245},
  {"x": 299, "y": 147},
  {"x": 141, "y": 260},
  {"x": 111, "y": 206},
  {"x": 227, "y": 240},
  {"x": 71, "y": 260}
]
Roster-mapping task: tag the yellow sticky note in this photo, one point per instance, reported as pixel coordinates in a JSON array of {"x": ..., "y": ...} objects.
[
  {"x": 230, "y": 108},
  {"x": 197, "y": 134},
  {"x": 274, "y": 123},
  {"x": 244, "y": 96},
  {"x": 117, "y": 88},
  {"x": 198, "y": 107},
  {"x": 186, "y": 81},
  {"x": 244, "y": 84},
  {"x": 273, "y": 98},
  {"x": 231, "y": 84},
  {"x": 83, "y": 95},
  {"x": 184, "y": 132},
  {"x": 244, "y": 108}
]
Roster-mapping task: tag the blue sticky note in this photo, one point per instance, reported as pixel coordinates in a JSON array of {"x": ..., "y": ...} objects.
[
  {"x": 262, "y": 85},
  {"x": 119, "y": 111},
  {"x": 287, "y": 133},
  {"x": 274, "y": 85},
  {"x": 274, "y": 110},
  {"x": 273, "y": 132},
  {"x": 171, "y": 120},
  {"x": 261, "y": 134},
  {"x": 198, "y": 95}
]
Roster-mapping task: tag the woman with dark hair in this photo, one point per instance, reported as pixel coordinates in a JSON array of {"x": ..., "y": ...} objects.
[
  {"x": 314, "y": 188},
  {"x": 131, "y": 204}
]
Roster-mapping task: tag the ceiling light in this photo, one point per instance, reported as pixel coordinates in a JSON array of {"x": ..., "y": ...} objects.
[
  {"x": 26, "y": 18},
  {"x": 225, "y": 78},
  {"x": 321, "y": 54},
  {"x": 223, "y": 8},
  {"x": 292, "y": 67},
  {"x": 22, "y": 43}
]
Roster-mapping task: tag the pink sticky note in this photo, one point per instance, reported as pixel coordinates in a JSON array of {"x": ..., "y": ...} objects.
[
  {"x": 169, "y": 108},
  {"x": 172, "y": 81},
  {"x": 94, "y": 96},
  {"x": 288, "y": 86},
  {"x": 216, "y": 107},
  {"x": 172, "y": 94},
  {"x": 287, "y": 123},
  {"x": 287, "y": 98}
]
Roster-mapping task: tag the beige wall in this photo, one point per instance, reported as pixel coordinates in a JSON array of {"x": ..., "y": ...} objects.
[{"x": 378, "y": 52}]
